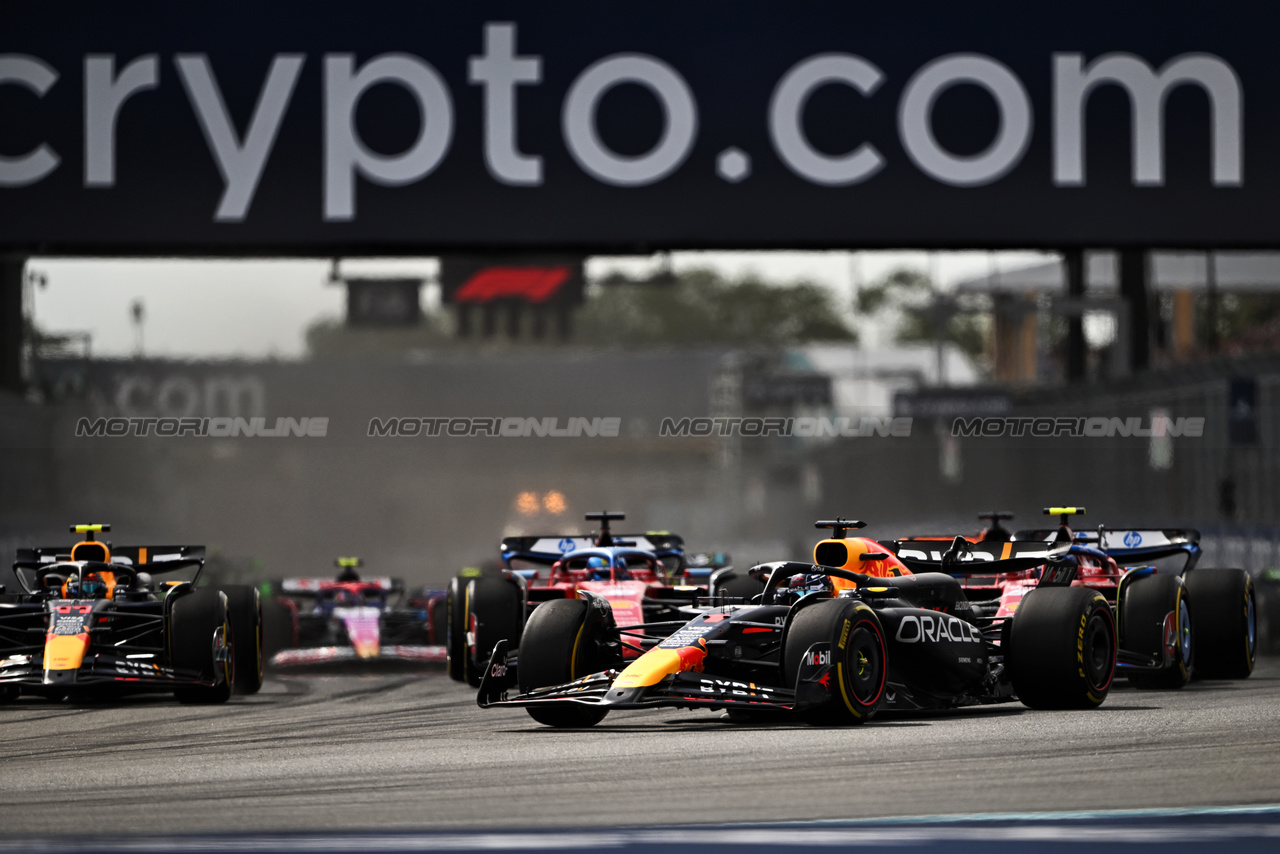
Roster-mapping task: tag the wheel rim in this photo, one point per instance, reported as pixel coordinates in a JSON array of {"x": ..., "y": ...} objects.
[
  {"x": 1098, "y": 652},
  {"x": 1184, "y": 630},
  {"x": 866, "y": 665}
]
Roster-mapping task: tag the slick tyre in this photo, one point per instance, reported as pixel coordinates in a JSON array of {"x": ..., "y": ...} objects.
[
  {"x": 244, "y": 604},
  {"x": 455, "y": 629},
  {"x": 1226, "y": 622},
  {"x": 859, "y": 658},
  {"x": 1061, "y": 651},
  {"x": 1155, "y": 611},
  {"x": 437, "y": 620},
  {"x": 560, "y": 645},
  {"x": 199, "y": 630},
  {"x": 495, "y": 611},
  {"x": 742, "y": 587}
]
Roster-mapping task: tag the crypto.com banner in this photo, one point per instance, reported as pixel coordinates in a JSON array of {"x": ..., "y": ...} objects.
[{"x": 325, "y": 127}]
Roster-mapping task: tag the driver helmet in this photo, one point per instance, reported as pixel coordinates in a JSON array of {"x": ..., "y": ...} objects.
[
  {"x": 92, "y": 586},
  {"x": 598, "y": 566},
  {"x": 802, "y": 585}
]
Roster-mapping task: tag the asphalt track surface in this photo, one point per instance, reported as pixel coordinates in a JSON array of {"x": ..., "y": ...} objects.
[{"x": 410, "y": 752}]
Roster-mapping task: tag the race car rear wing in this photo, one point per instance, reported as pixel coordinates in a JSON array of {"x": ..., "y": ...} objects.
[
  {"x": 962, "y": 558},
  {"x": 151, "y": 559},
  {"x": 155, "y": 558},
  {"x": 1139, "y": 546},
  {"x": 313, "y": 586},
  {"x": 546, "y": 549}
]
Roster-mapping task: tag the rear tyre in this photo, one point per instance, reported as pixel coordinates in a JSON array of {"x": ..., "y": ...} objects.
[
  {"x": 200, "y": 630},
  {"x": 858, "y": 654},
  {"x": 560, "y": 645},
  {"x": 1226, "y": 623},
  {"x": 1061, "y": 652},
  {"x": 1145, "y": 608},
  {"x": 437, "y": 620},
  {"x": 245, "y": 607},
  {"x": 455, "y": 629},
  {"x": 495, "y": 611}
]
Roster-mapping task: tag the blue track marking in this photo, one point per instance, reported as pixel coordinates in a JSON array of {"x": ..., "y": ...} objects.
[{"x": 1242, "y": 830}]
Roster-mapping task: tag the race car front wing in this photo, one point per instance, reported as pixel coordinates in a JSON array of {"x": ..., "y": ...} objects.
[{"x": 685, "y": 689}]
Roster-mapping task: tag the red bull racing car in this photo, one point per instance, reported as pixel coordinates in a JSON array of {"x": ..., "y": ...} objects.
[
  {"x": 354, "y": 619},
  {"x": 644, "y": 577},
  {"x": 834, "y": 641},
  {"x": 98, "y": 619},
  {"x": 1174, "y": 620}
]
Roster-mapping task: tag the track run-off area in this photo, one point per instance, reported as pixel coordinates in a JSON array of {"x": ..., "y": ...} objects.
[{"x": 406, "y": 761}]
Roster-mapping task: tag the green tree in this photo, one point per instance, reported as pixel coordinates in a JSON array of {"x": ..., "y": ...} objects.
[
  {"x": 702, "y": 307},
  {"x": 911, "y": 293}
]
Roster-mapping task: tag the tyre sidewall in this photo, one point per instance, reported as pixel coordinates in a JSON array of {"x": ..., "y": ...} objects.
[
  {"x": 244, "y": 604},
  {"x": 1050, "y": 646}
]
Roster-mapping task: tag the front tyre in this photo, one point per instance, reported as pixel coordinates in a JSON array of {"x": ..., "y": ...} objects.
[
  {"x": 1226, "y": 623},
  {"x": 244, "y": 604},
  {"x": 1155, "y": 616},
  {"x": 559, "y": 646},
  {"x": 859, "y": 658},
  {"x": 1061, "y": 652},
  {"x": 494, "y": 612},
  {"x": 455, "y": 631},
  {"x": 200, "y": 633}
]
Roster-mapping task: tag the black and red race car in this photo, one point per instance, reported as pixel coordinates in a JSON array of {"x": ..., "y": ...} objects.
[
  {"x": 96, "y": 619},
  {"x": 645, "y": 578},
  {"x": 833, "y": 641},
  {"x": 1174, "y": 620}
]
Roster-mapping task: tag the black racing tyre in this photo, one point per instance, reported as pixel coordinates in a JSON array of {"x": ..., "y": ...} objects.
[
  {"x": 455, "y": 629},
  {"x": 1061, "y": 650},
  {"x": 740, "y": 586},
  {"x": 1226, "y": 622},
  {"x": 199, "y": 625},
  {"x": 495, "y": 611},
  {"x": 244, "y": 604},
  {"x": 1145, "y": 605},
  {"x": 437, "y": 620},
  {"x": 560, "y": 645},
  {"x": 858, "y": 652},
  {"x": 9, "y": 693}
]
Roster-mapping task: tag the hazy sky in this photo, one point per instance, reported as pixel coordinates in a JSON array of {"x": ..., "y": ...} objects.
[{"x": 255, "y": 308}]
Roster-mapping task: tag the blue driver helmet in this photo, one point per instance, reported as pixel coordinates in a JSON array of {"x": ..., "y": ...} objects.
[{"x": 598, "y": 566}]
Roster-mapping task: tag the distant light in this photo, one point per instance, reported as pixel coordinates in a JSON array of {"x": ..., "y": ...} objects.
[
  {"x": 553, "y": 502},
  {"x": 527, "y": 503}
]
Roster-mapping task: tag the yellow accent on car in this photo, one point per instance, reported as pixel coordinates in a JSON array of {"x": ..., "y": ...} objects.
[
  {"x": 65, "y": 652},
  {"x": 649, "y": 669},
  {"x": 348, "y": 561},
  {"x": 89, "y": 529},
  {"x": 1060, "y": 511}
]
